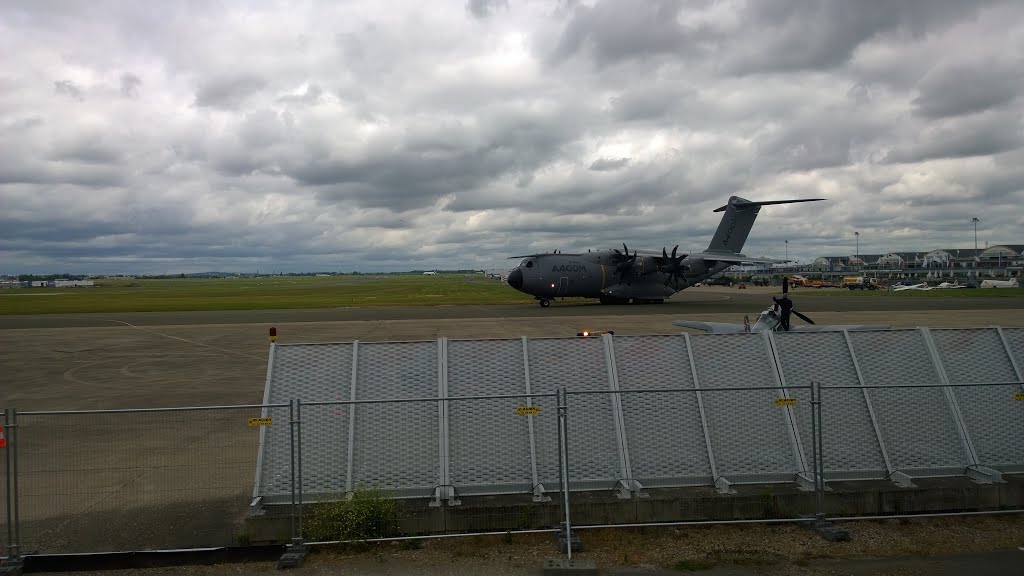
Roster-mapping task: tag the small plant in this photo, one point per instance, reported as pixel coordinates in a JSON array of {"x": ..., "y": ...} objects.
[
  {"x": 368, "y": 514},
  {"x": 242, "y": 539},
  {"x": 507, "y": 538}
]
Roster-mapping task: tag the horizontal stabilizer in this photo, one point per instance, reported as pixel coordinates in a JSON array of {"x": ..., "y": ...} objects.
[
  {"x": 734, "y": 258},
  {"x": 741, "y": 204}
]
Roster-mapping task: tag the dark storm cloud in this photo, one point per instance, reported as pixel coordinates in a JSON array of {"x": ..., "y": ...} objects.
[
  {"x": 228, "y": 92},
  {"x": 825, "y": 138},
  {"x": 786, "y": 35},
  {"x": 609, "y": 164},
  {"x": 966, "y": 89},
  {"x": 130, "y": 85},
  {"x": 69, "y": 89},
  {"x": 614, "y": 31},
  {"x": 90, "y": 150},
  {"x": 978, "y": 135},
  {"x": 484, "y": 8}
]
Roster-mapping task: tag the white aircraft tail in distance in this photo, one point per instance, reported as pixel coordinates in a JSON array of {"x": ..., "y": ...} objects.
[{"x": 999, "y": 284}]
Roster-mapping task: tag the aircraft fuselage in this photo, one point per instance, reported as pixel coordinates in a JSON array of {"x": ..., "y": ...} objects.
[{"x": 597, "y": 275}]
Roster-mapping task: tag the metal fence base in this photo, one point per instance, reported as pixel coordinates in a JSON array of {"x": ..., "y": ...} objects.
[
  {"x": 984, "y": 475},
  {"x": 827, "y": 530},
  {"x": 294, "y": 557},
  {"x": 12, "y": 567},
  {"x": 567, "y": 538},
  {"x": 562, "y": 567}
]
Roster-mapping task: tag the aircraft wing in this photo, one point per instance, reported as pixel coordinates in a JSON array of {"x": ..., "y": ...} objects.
[
  {"x": 542, "y": 254},
  {"x": 711, "y": 327}
]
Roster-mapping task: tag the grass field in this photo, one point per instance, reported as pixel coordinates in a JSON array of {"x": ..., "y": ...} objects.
[
  {"x": 277, "y": 292},
  {"x": 285, "y": 292}
]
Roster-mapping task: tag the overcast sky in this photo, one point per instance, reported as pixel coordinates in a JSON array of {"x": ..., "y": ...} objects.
[{"x": 185, "y": 136}]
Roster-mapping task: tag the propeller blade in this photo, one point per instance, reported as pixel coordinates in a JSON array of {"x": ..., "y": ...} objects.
[
  {"x": 802, "y": 317},
  {"x": 785, "y": 285},
  {"x": 674, "y": 251}
]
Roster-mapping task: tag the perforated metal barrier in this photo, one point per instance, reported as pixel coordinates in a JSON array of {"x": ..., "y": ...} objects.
[{"x": 446, "y": 418}]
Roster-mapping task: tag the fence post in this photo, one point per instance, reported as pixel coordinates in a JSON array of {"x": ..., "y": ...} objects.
[
  {"x": 565, "y": 536},
  {"x": 298, "y": 443},
  {"x": 819, "y": 459},
  {"x": 296, "y": 551},
  {"x": 11, "y": 489},
  {"x": 292, "y": 456}
]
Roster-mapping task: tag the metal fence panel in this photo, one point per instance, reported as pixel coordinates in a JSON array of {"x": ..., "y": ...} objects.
[
  {"x": 991, "y": 415},
  {"x": 5, "y": 454},
  {"x": 321, "y": 372},
  {"x": 578, "y": 364},
  {"x": 749, "y": 436},
  {"x": 489, "y": 444},
  {"x": 96, "y": 482},
  {"x": 850, "y": 442},
  {"x": 1015, "y": 339},
  {"x": 917, "y": 424},
  {"x": 396, "y": 444},
  {"x": 666, "y": 437}
]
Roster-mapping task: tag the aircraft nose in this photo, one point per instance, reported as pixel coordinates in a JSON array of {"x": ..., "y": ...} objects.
[{"x": 515, "y": 278}]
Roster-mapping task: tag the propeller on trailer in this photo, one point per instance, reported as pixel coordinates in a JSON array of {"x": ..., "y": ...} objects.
[
  {"x": 785, "y": 290},
  {"x": 673, "y": 266}
]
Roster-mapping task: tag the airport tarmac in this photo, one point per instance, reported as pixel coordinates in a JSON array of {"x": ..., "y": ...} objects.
[{"x": 181, "y": 475}]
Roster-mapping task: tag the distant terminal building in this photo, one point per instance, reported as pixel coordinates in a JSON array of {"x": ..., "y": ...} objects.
[
  {"x": 999, "y": 260},
  {"x": 73, "y": 283}
]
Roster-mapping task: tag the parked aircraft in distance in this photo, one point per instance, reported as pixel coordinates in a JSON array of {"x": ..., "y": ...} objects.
[
  {"x": 641, "y": 277},
  {"x": 770, "y": 321},
  {"x": 430, "y": 272},
  {"x": 902, "y": 287},
  {"x": 999, "y": 284}
]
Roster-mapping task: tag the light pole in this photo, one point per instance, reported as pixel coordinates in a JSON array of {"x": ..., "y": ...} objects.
[
  {"x": 974, "y": 261},
  {"x": 787, "y": 251},
  {"x": 857, "y": 235}
]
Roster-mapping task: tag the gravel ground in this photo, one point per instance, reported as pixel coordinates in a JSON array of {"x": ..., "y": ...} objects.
[{"x": 904, "y": 547}]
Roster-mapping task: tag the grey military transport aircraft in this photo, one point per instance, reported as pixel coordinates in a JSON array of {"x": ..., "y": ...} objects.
[{"x": 617, "y": 277}]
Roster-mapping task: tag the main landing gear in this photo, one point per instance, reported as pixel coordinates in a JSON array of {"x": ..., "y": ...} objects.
[{"x": 544, "y": 302}]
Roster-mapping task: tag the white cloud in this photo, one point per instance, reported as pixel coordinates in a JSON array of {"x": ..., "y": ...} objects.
[{"x": 364, "y": 135}]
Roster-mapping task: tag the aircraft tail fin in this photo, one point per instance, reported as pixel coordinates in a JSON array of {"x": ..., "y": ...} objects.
[{"x": 737, "y": 221}]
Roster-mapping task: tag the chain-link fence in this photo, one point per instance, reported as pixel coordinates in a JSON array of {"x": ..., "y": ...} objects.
[
  {"x": 413, "y": 466},
  {"x": 137, "y": 479}
]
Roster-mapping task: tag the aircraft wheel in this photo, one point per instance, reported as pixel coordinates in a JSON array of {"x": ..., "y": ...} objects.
[{"x": 544, "y": 303}]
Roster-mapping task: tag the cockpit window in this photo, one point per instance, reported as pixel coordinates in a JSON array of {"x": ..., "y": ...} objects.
[{"x": 529, "y": 264}]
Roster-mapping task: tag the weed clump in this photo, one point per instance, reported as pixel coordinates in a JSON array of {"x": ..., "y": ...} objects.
[{"x": 367, "y": 514}]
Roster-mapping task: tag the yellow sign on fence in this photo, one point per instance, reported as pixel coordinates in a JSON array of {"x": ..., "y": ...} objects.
[
  {"x": 1018, "y": 396},
  {"x": 524, "y": 410},
  {"x": 261, "y": 421},
  {"x": 785, "y": 401}
]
